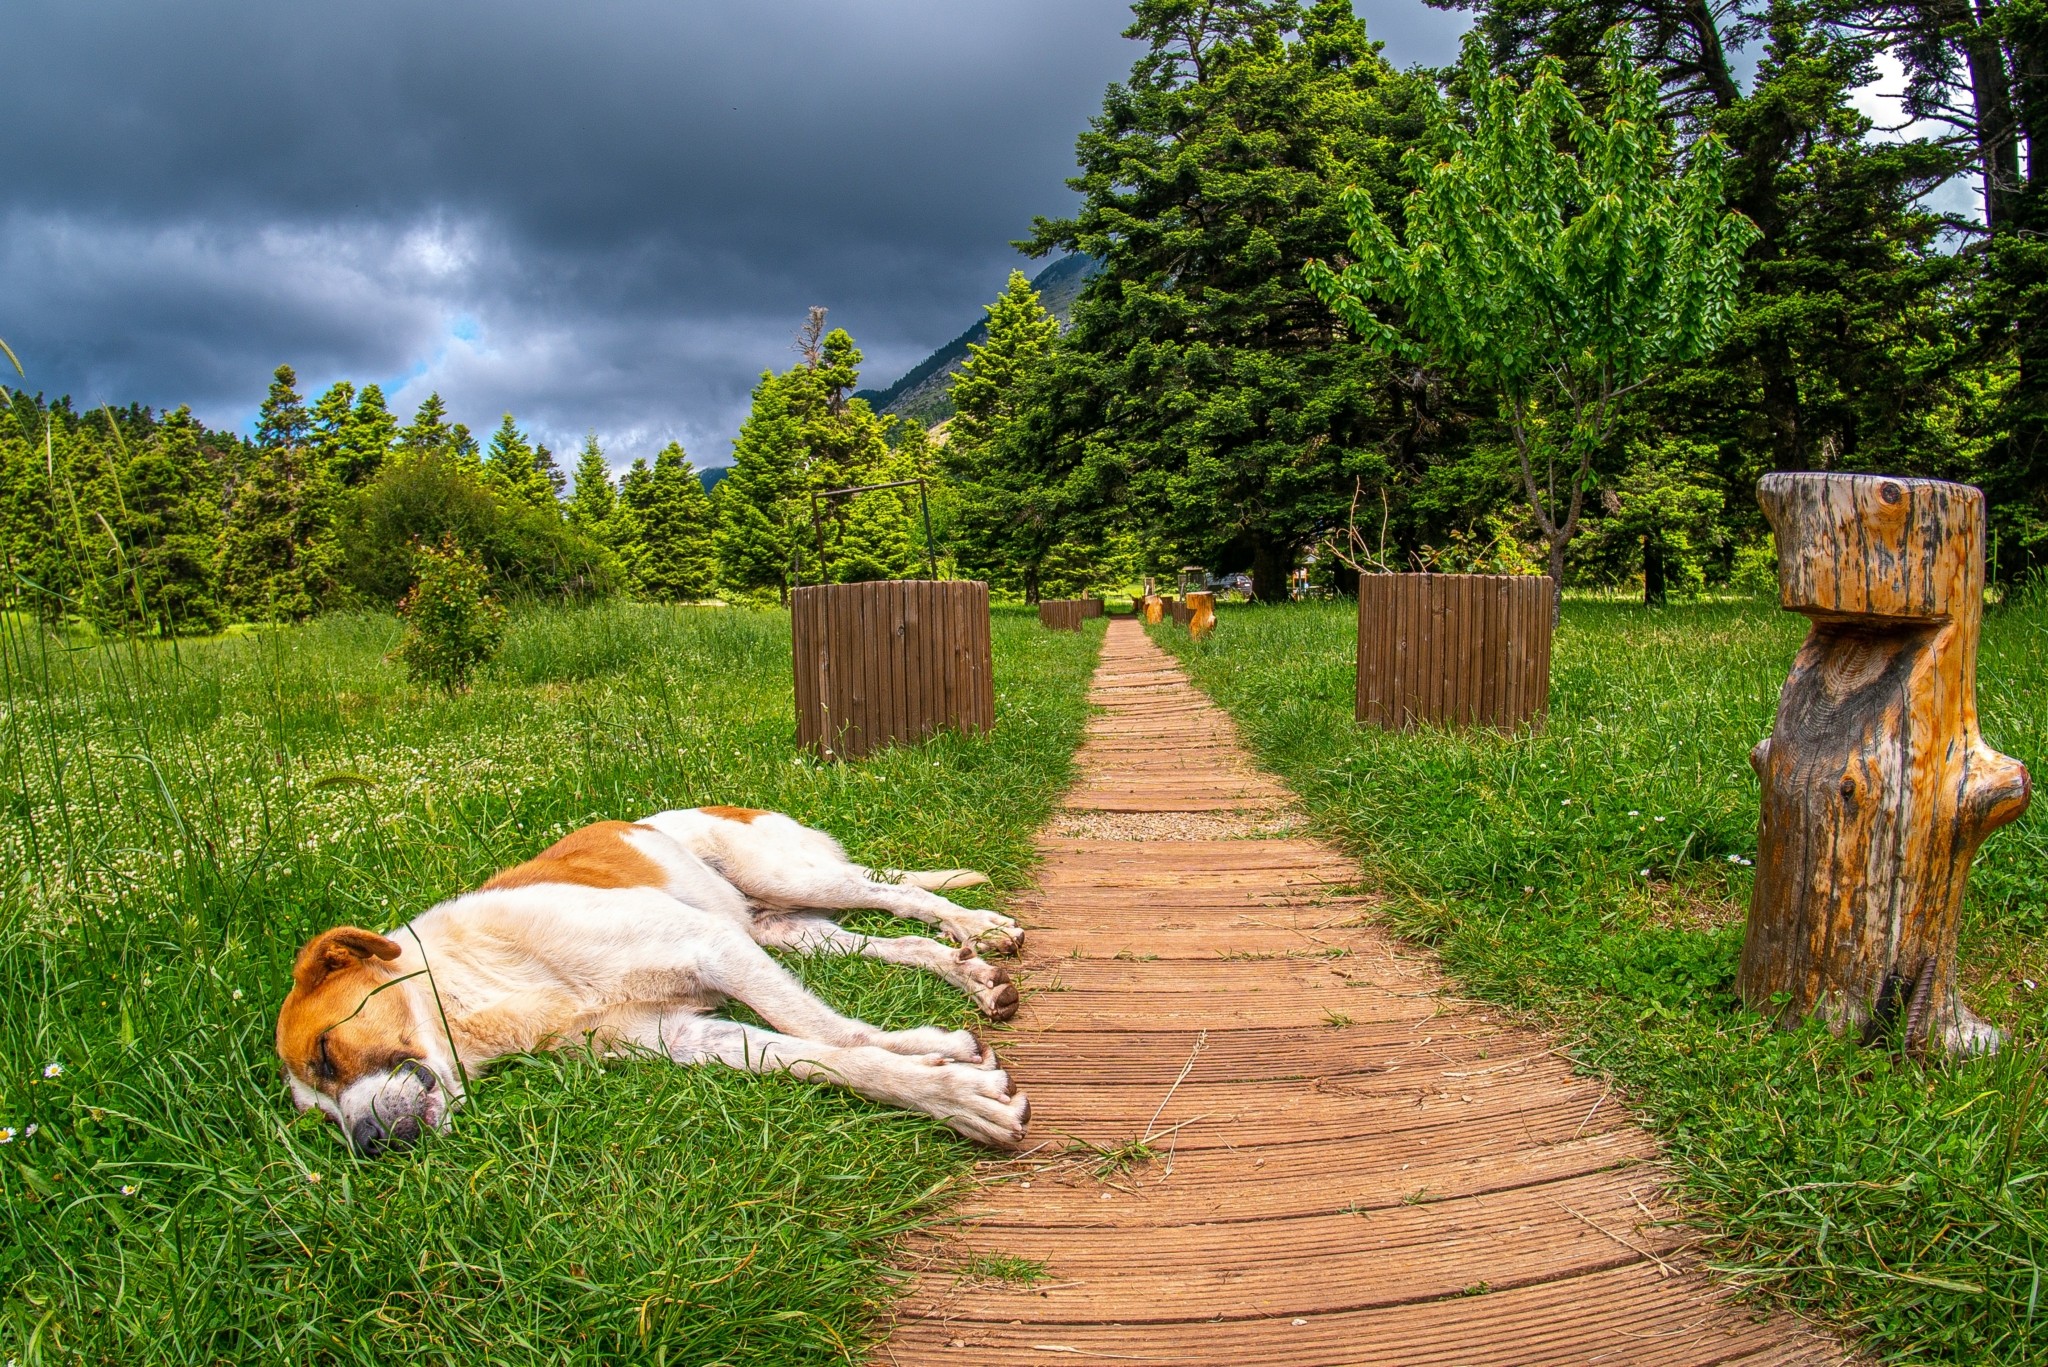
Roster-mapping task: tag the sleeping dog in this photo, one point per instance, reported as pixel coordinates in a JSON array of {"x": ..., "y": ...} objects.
[{"x": 629, "y": 935}]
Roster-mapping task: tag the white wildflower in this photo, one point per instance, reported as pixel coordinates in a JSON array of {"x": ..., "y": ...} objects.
[
  {"x": 1634, "y": 812},
  {"x": 6, "y": 1134},
  {"x": 236, "y": 994},
  {"x": 30, "y": 1132},
  {"x": 127, "y": 1190},
  {"x": 1656, "y": 818},
  {"x": 53, "y": 1070}
]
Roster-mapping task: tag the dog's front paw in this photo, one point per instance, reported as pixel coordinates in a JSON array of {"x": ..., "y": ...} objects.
[
  {"x": 957, "y": 1045},
  {"x": 989, "y": 985},
  {"x": 985, "y": 932},
  {"x": 979, "y": 1103}
]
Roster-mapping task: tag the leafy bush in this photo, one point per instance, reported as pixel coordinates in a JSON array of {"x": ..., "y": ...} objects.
[
  {"x": 452, "y": 623},
  {"x": 420, "y": 499}
]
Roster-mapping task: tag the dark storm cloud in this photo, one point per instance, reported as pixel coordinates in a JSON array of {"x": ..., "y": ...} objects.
[{"x": 601, "y": 216}]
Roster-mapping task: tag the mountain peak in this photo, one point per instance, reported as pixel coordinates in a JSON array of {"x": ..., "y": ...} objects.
[{"x": 923, "y": 394}]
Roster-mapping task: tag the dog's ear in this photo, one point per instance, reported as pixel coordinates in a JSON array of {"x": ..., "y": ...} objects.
[{"x": 342, "y": 947}]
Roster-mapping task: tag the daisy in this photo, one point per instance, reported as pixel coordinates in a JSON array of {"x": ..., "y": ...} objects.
[{"x": 53, "y": 1070}]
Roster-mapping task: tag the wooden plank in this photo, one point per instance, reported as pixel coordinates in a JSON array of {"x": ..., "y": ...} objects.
[{"x": 1350, "y": 1164}]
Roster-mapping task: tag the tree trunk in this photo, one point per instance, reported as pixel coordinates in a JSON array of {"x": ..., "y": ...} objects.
[
  {"x": 1269, "y": 572},
  {"x": 1653, "y": 572},
  {"x": 1877, "y": 786},
  {"x": 1556, "y": 573}
]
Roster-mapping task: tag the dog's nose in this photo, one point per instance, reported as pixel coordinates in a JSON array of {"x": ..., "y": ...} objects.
[
  {"x": 406, "y": 1130},
  {"x": 368, "y": 1136}
]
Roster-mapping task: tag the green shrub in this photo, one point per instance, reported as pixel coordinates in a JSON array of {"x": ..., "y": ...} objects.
[{"x": 452, "y": 623}]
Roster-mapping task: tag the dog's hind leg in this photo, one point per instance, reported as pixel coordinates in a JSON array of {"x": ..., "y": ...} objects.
[
  {"x": 989, "y": 985},
  {"x": 976, "y": 1102}
]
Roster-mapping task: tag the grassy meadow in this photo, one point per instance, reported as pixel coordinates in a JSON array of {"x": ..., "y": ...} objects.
[
  {"x": 1588, "y": 875},
  {"x": 178, "y": 818}
]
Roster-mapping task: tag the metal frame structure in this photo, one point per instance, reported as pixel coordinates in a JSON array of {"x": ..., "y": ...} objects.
[{"x": 931, "y": 554}]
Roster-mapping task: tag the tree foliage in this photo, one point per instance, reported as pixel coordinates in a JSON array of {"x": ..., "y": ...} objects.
[{"x": 1556, "y": 257}]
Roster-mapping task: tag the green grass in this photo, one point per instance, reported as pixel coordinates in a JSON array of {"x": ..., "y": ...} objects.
[
  {"x": 1584, "y": 875},
  {"x": 176, "y": 820}
]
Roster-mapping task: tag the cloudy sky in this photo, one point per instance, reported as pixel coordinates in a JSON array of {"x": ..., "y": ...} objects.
[{"x": 607, "y": 215}]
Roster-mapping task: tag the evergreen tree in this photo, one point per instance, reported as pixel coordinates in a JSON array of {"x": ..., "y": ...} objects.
[
  {"x": 592, "y": 506},
  {"x": 1001, "y": 526},
  {"x": 511, "y": 465},
  {"x": 170, "y": 495},
  {"x": 673, "y": 558},
  {"x": 429, "y": 431},
  {"x": 760, "y": 514},
  {"x": 278, "y": 553},
  {"x": 366, "y": 439},
  {"x": 846, "y": 445},
  {"x": 1201, "y": 390},
  {"x": 544, "y": 461}
]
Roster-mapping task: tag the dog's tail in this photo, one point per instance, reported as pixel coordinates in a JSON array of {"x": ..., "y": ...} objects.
[{"x": 938, "y": 880}]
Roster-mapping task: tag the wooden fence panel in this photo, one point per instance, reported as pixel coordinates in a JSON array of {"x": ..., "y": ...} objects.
[
  {"x": 1453, "y": 650},
  {"x": 1062, "y": 614},
  {"x": 1092, "y": 607},
  {"x": 889, "y": 662}
]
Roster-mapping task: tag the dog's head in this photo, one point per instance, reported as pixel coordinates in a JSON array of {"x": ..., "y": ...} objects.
[{"x": 362, "y": 1045}]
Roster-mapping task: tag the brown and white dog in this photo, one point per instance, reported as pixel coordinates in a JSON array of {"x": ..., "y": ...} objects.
[{"x": 629, "y": 935}]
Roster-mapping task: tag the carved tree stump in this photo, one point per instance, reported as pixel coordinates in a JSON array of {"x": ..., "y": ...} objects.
[
  {"x": 1201, "y": 614},
  {"x": 1155, "y": 610},
  {"x": 1877, "y": 786}
]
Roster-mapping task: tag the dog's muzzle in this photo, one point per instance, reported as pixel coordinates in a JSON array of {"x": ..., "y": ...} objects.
[{"x": 398, "y": 1122}]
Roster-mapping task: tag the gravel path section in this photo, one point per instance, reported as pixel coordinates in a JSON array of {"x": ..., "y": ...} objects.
[{"x": 1266, "y": 1132}]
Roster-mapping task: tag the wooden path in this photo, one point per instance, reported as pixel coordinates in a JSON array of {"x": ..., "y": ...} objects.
[{"x": 1267, "y": 1135}]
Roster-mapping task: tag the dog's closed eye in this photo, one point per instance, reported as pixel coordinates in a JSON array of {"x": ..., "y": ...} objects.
[{"x": 323, "y": 1063}]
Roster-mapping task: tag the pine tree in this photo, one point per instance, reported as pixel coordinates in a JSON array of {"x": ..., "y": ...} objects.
[
  {"x": 595, "y": 502},
  {"x": 544, "y": 461},
  {"x": 428, "y": 433},
  {"x": 366, "y": 439},
  {"x": 170, "y": 494},
  {"x": 1001, "y": 531},
  {"x": 674, "y": 560},
  {"x": 278, "y": 553},
  {"x": 512, "y": 467},
  {"x": 760, "y": 515},
  {"x": 1201, "y": 392}
]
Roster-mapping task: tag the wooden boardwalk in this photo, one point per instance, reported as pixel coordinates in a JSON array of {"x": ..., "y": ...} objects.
[{"x": 1266, "y": 1134}]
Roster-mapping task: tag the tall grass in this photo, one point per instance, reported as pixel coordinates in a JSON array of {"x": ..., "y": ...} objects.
[
  {"x": 177, "y": 817},
  {"x": 1590, "y": 874}
]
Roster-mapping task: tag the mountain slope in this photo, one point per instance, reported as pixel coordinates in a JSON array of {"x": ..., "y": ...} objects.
[{"x": 922, "y": 393}]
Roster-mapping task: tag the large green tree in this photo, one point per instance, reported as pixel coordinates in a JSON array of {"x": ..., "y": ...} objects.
[
  {"x": 1203, "y": 395},
  {"x": 669, "y": 556},
  {"x": 512, "y": 465},
  {"x": 279, "y": 555},
  {"x": 805, "y": 434},
  {"x": 171, "y": 524},
  {"x": 1558, "y": 257},
  {"x": 1002, "y": 527}
]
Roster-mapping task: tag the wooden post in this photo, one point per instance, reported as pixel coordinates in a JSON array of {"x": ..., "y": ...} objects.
[
  {"x": 1201, "y": 614},
  {"x": 1453, "y": 650},
  {"x": 1061, "y": 614},
  {"x": 1877, "y": 786},
  {"x": 890, "y": 662}
]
